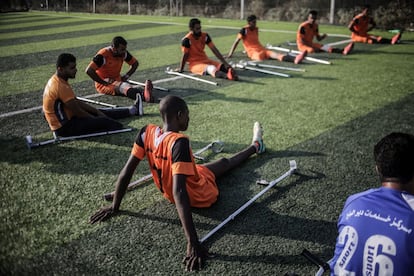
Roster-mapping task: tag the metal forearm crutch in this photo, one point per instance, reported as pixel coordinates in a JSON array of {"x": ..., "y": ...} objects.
[{"x": 292, "y": 164}]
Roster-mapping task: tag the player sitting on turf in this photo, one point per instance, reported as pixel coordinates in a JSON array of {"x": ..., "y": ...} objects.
[
  {"x": 105, "y": 70},
  {"x": 362, "y": 23},
  {"x": 376, "y": 227},
  {"x": 68, "y": 116},
  {"x": 255, "y": 51},
  {"x": 308, "y": 30},
  {"x": 175, "y": 172},
  {"x": 192, "y": 46}
]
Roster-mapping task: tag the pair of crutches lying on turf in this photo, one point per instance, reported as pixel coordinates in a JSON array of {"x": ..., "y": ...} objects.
[
  {"x": 246, "y": 65},
  {"x": 286, "y": 50}
]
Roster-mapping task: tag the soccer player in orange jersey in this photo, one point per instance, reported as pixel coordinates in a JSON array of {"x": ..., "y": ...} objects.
[
  {"x": 68, "y": 116},
  {"x": 308, "y": 30},
  {"x": 249, "y": 34},
  {"x": 362, "y": 24},
  {"x": 175, "y": 172},
  {"x": 105, "y": 70},
  {"x": 192, "y": 46}
]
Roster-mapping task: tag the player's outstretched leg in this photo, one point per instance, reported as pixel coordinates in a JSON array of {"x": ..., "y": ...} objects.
[{"x": 224, "y": 165}]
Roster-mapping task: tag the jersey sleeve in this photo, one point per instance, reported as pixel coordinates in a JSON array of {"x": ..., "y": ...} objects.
[
  {"x": 99, "y": 60},
  {"x": 241, "y": 33},
  {"x": 185, "y": 45},
  {"x": 182, "y": 162},
  {"x": 130, "y": 59},
  {"x": 209, "y": 41},
  {"x": 138, "y": 149}
]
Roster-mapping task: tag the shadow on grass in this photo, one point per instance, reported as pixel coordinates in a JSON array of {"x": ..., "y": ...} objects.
[{"x": 265, "y": 237}]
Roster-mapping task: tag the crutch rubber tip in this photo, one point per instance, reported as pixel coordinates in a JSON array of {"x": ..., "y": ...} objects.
[
  {"x": 108, "y": 197},
  {"x": 262, "y": 182}
]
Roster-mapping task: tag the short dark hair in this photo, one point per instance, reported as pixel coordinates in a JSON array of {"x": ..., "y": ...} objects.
[
  {"x": 118, "y": 40},
  {"x": 251, "y": 18},
  {"x": 193, "y": 22},
  {"x": 64, "y": 59},
  {"x": 170, "y": 106},
  {"x": 313, "y": 13},
  {"x": 394, "y": 157}
]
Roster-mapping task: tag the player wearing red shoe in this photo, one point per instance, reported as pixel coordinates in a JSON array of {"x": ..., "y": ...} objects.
[
  {"x": 105, "y": 70},
  {"x": 362, "y": 24},
  {"x": 249, "y": 34},
  {"x": 192, "y": 46},
  {"x": 309, "y": 30}
]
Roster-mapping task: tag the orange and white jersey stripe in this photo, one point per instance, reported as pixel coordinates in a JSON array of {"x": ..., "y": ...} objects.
[{"x": 168, "y": 154}]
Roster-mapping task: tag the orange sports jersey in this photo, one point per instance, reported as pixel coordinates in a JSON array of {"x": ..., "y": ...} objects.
[
  {"x": 306, "y": 33},
  {"x": 169, "y": 153},
  {"x": 251, "y": 41},
  {"x": 56, "y": 93},
  {"x": 194, "y": 46},
  {"x": 361, "y": 24},
  {"x": 108, "y": 66}
]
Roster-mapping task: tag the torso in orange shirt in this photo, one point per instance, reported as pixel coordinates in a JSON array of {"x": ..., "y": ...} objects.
[
  {"x": 109, "y": 66},
  {"x": 361, "y": 24},
  {"x": 56, "y": 93},
  {"x": 306, "y": 33},
  {"x": 169, "y": 153},
  {"x": 251, "y": 41},
  {"x": 195, "y": 46}
]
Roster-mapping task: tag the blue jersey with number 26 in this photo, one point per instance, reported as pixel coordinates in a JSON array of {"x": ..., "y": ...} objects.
[{"x": 376, "y": 234}]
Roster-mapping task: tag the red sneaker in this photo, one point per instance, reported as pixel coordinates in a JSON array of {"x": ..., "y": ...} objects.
[
  {"x": 148, "y": 92},
  {"x": 231, "y": 74},
  {"x": 300, "y": 57},
  {"x": 348, "y": 48},
  {"x": 395, "y": 38}
]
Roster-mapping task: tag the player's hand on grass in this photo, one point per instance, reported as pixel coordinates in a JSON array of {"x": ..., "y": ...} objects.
[
  {"x": 195, "y": 257},
  {"x": 102, "y": 214}
]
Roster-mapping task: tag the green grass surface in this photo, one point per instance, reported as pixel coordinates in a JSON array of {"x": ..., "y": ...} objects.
[{"x": 327, "y": 119}]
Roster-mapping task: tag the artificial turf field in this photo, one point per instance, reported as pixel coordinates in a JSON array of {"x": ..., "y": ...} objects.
[{"x": 327, "y": 119}]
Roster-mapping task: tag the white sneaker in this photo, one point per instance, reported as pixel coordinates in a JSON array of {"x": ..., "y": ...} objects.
[
  {"x": 257, "y": 140},
  {"x": 138, "y": 105}
]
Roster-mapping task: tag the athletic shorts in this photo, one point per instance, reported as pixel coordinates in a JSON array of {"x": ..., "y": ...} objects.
[
  {"x": 200, "y": 68},
  {"x": 310, "y": 49},
  {"x": 206, "y": 192},
  {"x": 260, "y": 55},
  {"x": 363, "y": 38}
]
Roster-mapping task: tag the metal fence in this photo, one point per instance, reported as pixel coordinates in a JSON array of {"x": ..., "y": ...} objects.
[{"x": 330, "y": 11}]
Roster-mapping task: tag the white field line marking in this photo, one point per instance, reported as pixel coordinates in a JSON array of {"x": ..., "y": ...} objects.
[
  {"x": 154, "y": 22},
  {"x": 182, "y": 24}
]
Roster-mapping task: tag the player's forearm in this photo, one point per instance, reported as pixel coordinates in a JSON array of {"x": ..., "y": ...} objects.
[
  {"x": 123, "y": 181},
  {"x": 182, "y": 204},
  {"x": 94, "y": 76},
  {"x": 132, "y": 69},
  {"x": 233, "y": 47},
  {"x": 217, "y": 53},
  {"x": 183, "y": 61}
]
